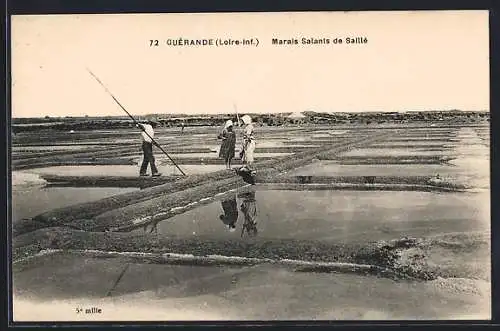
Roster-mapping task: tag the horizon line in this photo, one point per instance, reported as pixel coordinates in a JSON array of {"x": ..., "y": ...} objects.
[{"x": 261, "y": 113}]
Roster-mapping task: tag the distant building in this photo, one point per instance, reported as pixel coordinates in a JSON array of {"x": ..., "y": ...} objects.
[{"x": 297, "y": 118}]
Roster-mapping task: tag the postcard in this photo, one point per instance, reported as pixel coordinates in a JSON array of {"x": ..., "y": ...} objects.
[{"x": 250, "y": 166}]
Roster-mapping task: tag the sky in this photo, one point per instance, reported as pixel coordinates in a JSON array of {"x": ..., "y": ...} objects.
[{"x": 412, "y": 61}]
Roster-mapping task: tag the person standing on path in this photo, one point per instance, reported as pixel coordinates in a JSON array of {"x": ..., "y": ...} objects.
[
  {"x": 147, "y": 147},
  {"x": 248, "y": 149},
  {"x": 228, "y": 145}
]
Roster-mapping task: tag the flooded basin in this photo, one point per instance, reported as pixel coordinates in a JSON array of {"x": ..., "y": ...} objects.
[
  {"x": 374, "y": 152},
  {"x": 308, "y": 143},
  {"x": 148, "y": 292},
  {"x": 424, "y": 138},
  {"x": 331, "y": 132},
  {"x": 121, "y": 170},
  {"x": 266, "y": 143},
  {"x": 337, "y": 216},
  {"x": 332, "y": 168},
  {"x": 72, "y": 147},
  {"x": 216, "y": 155},
  {"x": 30, "y": 197},
  {"x": 408, "y": 144}
]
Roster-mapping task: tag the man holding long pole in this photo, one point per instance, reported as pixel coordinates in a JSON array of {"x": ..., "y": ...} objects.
[
  {"x": 147, "y": 148},
  {"x": 144, "y": 132}
]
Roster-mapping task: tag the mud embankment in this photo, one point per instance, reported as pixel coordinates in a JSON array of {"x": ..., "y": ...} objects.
[
  {"x": 74, "y": 162},
  {"x": 348, "y": 182},
  {"x": 107, "y": 156},
  {"x": 426, "y": 147},
  {"x": 370, "y": 180},
  {"x": 110, "y": 155},
  {"x": 50, "y": 136},
  {"x": 30, "y": 155},
  {"x": 118, "y": 155},
  {"x": 450, "y": 255},
  {"x": 362, "y": 160},
  {"x": 107, "y": 181}
]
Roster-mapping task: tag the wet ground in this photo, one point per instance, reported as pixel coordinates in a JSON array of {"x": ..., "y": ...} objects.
[
  {"x": 449, "y": 233},
  {"x": 30, "y": 195}
]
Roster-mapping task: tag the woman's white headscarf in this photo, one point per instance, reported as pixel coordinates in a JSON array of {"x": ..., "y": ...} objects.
[
  {"x": 246, "y": 119},
  {"x": 228, "y": 124}
]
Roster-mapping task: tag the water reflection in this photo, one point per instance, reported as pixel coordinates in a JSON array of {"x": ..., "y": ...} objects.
[
  {"x": 230, "y": 216},
  {"x": 151, "y": 227},
  {"x": 249, "y": 209}
]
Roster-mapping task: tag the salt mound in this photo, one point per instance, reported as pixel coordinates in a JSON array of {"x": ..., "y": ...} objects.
[{"x": 20, "y": 178}]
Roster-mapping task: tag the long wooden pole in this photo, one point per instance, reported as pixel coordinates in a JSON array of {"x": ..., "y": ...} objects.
[{"x": 133, "y": 119}]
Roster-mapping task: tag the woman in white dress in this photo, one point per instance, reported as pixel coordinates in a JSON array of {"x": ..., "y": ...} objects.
[{"x": 248, "y": 149}]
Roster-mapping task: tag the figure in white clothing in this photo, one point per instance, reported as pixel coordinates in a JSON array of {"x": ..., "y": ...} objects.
[
  {"x": 147, "y": 148},
  {"x": 248, "y": 148}
]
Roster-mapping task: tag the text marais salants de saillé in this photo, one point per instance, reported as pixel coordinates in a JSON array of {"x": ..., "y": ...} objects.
[{"x": 319, "y": 41}]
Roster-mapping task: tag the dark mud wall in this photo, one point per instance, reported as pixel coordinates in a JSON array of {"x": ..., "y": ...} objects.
[{"x": 410, "y": 258}]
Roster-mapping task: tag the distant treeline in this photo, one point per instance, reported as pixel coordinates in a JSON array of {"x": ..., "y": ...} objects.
[{"x": 84, "y": 124}]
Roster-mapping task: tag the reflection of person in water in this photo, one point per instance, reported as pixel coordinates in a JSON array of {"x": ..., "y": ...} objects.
[
  {"x": 230, "y": 215},
  {"x": 153, "y": 227},
  {"x": 249, "y": 209}
]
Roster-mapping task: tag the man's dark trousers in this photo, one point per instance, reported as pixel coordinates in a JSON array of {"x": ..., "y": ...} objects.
[{"x": 147, "y": 148}]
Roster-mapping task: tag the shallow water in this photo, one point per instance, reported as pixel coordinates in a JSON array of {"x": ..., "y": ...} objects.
[
  {"x": 408, "y": 144},
  {"x": 69, "y": 147},
  {"x": 264, "y": 143},
  {"x": 267, "y": 144},
  {"x": 166, "y": 292},
  {"x": 216, "y": 155},
  {"x": 332, "y": 132},
  {"x": 29, "y": 201},
  {"x": 380, "y": 152},
  {"x": 341, "y": 216},
  {"x": 122, "y": 170},
  {"x": 31, "y": 197},
  {"x": 332, "y": 168}
]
